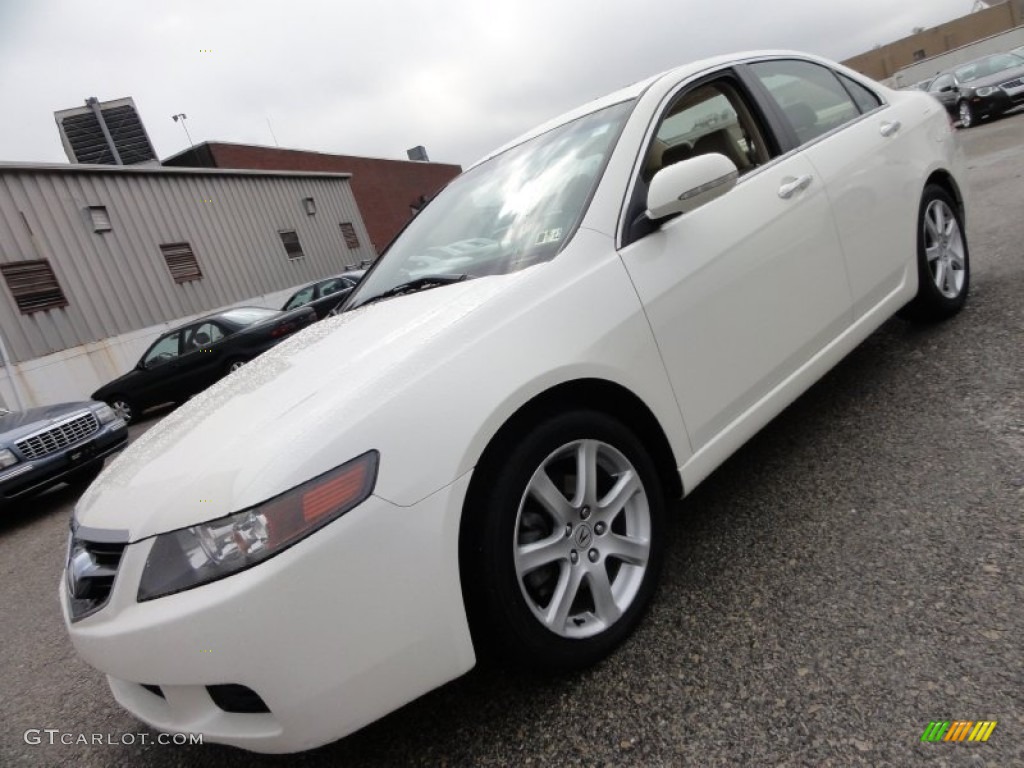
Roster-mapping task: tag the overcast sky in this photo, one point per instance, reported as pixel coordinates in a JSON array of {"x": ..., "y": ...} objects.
[{"x": 377, "y": 77}]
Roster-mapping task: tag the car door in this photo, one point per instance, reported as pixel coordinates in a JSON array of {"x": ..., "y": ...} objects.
[
  {"x": 744, "y": 290},
  {"x": 154, "y": 377},
  {"x": 202, "y": 361},
  {"x": 858, "y": 147}
]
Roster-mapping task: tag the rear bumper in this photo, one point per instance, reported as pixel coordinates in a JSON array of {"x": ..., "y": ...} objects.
[
  {"x": 349, "y": 624},
  {"x": 30, "y": 477}
]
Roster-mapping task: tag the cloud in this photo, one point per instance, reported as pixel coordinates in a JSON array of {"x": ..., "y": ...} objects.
[{"x": 457, "y": 76}]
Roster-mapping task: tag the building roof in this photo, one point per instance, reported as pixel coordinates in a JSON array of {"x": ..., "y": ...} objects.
[{"x": 159, "y": 170}]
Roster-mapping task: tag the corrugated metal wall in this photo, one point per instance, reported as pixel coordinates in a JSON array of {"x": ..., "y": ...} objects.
[{"x": 117, "y": 281}]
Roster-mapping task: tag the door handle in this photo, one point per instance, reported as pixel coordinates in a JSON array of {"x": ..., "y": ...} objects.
[
  {"x": 791, "y": 186},
  {"x": 887, "y": 129}
]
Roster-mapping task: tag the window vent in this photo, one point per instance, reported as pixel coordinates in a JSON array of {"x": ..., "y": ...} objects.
[
  {"x": 351, "y": 238},
  {"x": 100, "y": 218},
  {"x": 290, "y": 240},
  {"x": 33, "y": 286},
  {"x": 181, "y": 262}
]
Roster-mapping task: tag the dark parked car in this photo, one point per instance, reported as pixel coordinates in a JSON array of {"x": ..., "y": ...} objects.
[
  {"x": 44, "y": 446},
  {"x": 981, "y": 88},
  {"x": 190, "y": 358},
  {"x": 325, "y": 295}
]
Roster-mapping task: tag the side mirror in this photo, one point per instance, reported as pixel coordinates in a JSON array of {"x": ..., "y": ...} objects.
[
  {"x": 946, "y": 88},
  {"x": 689, "y": 184}
]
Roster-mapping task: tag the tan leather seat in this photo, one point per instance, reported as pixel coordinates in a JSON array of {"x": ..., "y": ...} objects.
[{"x": 721, "y": 141}]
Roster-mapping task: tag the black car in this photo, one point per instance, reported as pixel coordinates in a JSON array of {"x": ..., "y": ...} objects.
[
  {"x": 190, "y": 358},
  {"x": 44, "y": 446},
  {"x": 325, "y": 295},
  {"x": 981, "y": 88}
]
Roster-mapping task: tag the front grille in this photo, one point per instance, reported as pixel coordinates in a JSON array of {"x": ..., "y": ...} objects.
[
  {"x": 59, "y": 436},
  {"x": 1012, "y": 83},
  {"x": 91, "y": 569}
]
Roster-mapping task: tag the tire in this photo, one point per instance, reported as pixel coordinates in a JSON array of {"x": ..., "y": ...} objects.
[
  {"x": 967, "y": 116},
  {"x": 85, "y": 476},
  {"x": 943, "y": 259},
  {"x": 516, "y": 589},
  {"x": 124, "y": 408},
  {"x": 234, "y": 365}
]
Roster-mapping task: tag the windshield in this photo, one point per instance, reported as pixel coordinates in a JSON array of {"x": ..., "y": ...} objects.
[
  {"x": 511, "y": 211},
  {"x": 990, "y": 65}
]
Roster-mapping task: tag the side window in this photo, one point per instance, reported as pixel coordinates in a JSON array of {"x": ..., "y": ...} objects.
[
  {"x": 810, "y": 96},
  {"x": 332, "y": 286},
  {"x": 165, "y": 349},
  {"x": 203, "y": 336},
  {"x": 865, "y": 99},
  {"x": 302, "y": 297},
  {"x": 710, "y": 118}
]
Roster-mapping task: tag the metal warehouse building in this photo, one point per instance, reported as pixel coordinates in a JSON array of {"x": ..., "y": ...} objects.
[{"x": 96, "y": 261}]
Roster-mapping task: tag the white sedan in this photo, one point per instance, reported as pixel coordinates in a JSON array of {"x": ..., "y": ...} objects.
[{"x": 481, "y": 454}]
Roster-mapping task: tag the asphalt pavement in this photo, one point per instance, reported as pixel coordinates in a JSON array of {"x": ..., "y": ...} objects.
[{"x": 849, "y": 576}]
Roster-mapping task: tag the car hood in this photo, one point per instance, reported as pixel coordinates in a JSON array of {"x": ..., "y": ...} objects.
[
  {"x": 997, "y": 78},
  {"x": 305, "y": 407},
  {"x": 19, "y": 423}
]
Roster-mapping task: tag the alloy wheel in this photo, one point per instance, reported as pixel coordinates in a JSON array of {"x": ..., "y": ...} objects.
[
  {"x": 944, "y": 248},
  {"x": 582, "y": 538},
  {"x": 123, "y": 409}
]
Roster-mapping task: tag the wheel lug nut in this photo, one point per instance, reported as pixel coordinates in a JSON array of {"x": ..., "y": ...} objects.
[
  {"x": 585, "y": 512},
  {"x": 599, "y": 529},
  {"x": 593, "y": 555},
  {"x": 568, "y": 530},
  {"x": 574, "y": 557}
]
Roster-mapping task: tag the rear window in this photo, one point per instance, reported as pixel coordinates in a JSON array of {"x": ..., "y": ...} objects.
[{"x": 248, "y": 315}]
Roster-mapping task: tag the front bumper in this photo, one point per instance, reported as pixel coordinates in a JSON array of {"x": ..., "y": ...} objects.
[
  {"x": 349, "y": 624},
  {"x": 27, "y": 478}
]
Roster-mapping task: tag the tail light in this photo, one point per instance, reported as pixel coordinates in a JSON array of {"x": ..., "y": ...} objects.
[{"x": 282, "y": 330}]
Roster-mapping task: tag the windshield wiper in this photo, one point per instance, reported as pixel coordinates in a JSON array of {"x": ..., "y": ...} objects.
[{"x": 412, "y": 286}]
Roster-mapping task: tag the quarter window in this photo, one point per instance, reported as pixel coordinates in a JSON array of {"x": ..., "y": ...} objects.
[
  {"x": 865, "y": 98},
  {"x": 810, "y": 96}
]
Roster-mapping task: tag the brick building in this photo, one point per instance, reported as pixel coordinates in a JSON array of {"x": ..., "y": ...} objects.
[
  {"x": 386, "y": 191},
  {"x": 885, "y": 60}
]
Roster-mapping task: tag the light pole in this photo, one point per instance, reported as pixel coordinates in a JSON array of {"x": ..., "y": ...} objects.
[{"x": 183, "y": 117}]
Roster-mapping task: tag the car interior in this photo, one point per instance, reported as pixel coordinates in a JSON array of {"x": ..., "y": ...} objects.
[{"x": 711, "y": 118}]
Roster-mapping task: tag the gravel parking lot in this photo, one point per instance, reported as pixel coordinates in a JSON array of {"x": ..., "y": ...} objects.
[{"x": 852, "y": 574}]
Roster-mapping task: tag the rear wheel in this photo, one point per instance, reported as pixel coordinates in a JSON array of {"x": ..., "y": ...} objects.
[
  {"x": 563, "y": 542},
  {"x": 234, "y": 365},
  {"x": 943, "y": 259}
]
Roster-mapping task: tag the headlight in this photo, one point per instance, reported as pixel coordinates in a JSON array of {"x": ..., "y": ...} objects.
[
  {"x": 988, "y": 90},
  {"x": 7, "y": 458},
  {"x": 189, "y": 557},
  {"x": 105, "y": 414}
]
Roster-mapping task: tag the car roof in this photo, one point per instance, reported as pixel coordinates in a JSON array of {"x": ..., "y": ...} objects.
[{"x": 637, "y": 89}]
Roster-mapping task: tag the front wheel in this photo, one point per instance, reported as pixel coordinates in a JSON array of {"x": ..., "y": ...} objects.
[
  {"x": 943, "y": 259},
  {"x": 123, "y": 408},
  {"x": 563, "y": 547},
  {"x": 966, "y": 112}
]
